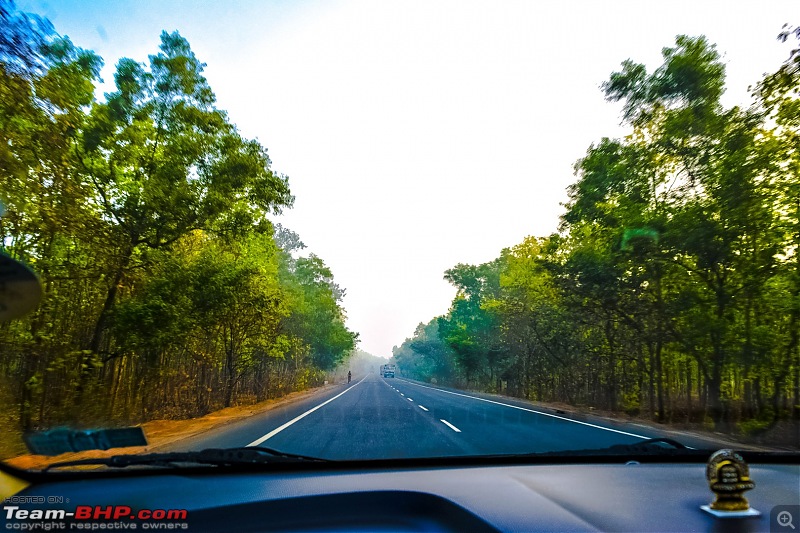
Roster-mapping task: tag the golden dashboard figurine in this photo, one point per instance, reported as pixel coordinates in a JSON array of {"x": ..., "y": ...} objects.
[{"x": 729, "y": 477}]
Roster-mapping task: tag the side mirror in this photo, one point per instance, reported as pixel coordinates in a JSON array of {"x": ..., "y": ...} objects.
[{"x": 20, "y": 289}]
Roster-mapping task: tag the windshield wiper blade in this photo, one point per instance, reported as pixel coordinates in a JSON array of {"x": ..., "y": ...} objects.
[
  {"x": 659, "y": 446},
  {"x": 210, "y": 456},
  {"x": 648, "y": 447}
]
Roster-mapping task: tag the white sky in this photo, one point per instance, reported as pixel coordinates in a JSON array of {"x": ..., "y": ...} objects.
[{"x": 421, "y": 134}]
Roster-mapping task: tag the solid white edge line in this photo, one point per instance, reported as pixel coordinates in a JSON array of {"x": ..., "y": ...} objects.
[
  {"x": 295, "y": 419},
  {"x": 422, "y": 407},
  {"x": 448, "y": 424},
  {"x": 529, "y": 410}
]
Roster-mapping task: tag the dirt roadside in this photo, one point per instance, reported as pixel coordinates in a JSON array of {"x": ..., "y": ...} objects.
[{"x": 161, "y": 433}]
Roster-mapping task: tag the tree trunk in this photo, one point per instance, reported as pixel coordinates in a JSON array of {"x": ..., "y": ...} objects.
[
  {"x": 714, "y": 392},
  {"x": 611, "y": 387},
  {"x": 702, "y": 391},
  {"x": 666, "y": 394},
  {"x": 230, "y": 378},
  {"x": 688, "y": 391},
  {"x": 715, "y": 405},
  {"x": 99, "y": 330},
  {"x": 659, "y": 376}
]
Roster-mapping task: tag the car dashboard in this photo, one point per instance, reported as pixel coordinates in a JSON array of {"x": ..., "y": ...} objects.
[{"x": 393, "y": 496}]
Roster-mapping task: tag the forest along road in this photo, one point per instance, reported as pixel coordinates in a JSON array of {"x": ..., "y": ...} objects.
[{"x": 377, "y": 418}]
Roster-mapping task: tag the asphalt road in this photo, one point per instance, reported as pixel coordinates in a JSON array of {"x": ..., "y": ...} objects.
[{"x": 373, "y": 417}]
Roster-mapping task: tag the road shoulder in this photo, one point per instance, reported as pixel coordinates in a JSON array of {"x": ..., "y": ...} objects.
[{"x": 167, "y": 433}]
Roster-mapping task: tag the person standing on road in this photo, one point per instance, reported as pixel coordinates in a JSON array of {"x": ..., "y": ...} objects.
[{"x": 349, "y": 376}]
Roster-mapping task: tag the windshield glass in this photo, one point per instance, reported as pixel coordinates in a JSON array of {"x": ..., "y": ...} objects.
[{"x": 480, "y": 228}]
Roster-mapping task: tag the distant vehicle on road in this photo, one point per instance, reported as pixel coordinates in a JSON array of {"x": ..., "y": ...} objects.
[{"x": 388, "y": 371}]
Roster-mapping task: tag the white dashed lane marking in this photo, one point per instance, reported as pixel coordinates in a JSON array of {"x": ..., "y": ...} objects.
[
  {"x": 528, "y": 410},
  {"x": 448, "y": 424}
]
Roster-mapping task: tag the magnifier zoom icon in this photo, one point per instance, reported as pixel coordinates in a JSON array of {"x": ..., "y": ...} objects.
[{"x": 785, "y": 519}]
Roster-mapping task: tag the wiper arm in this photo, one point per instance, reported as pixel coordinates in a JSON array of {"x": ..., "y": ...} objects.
[
  {"x": 210, "y": 456},
  {"x": 660, "y": 446},
  {"x": 653, "y": 447}
]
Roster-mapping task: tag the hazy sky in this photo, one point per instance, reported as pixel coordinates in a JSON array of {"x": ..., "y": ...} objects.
[{"x": 421, "y": 134}]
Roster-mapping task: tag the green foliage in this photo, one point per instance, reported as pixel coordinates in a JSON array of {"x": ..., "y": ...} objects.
[
  {"x": 691, "y": 79},
  {"x": 22, "y": 37},
  {"x": 756, "y": 426},
  {"x": 673, "y": 287},
  {"x": 425, "y": 356},
  {"x": 315, "y": 311},
  {"x": 146, "y": 215}
]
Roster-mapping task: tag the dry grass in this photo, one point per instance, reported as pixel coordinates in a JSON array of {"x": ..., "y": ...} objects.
[{"x": 161, "y": 433}]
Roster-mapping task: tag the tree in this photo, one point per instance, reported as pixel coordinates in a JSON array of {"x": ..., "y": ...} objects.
[
  {"x": 778, "y": 96},
  {"x": 22, "y": 40},
  {"x": 470, "y": 329},
  {"x": 146, "y": 216},
  {"x": 316, "y": 317},
  {"x": 45, "y": 84},
  {"x": 674, "y": 278},
  {"x": 164, "y": 162},
  {"x": 425, "y": 356}
]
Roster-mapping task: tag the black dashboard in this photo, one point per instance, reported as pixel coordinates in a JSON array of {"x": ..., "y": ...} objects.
[{"x": 611, "y": 496}]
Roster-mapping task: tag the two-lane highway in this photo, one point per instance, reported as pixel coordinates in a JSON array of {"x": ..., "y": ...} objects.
[{"x": 375, "y": 418}]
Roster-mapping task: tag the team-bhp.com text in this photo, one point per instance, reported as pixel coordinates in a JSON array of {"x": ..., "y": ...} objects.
[{"x": 86, "y": 517}]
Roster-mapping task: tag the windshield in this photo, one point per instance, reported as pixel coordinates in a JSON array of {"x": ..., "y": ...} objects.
[{"x": 391, "y": 230}]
